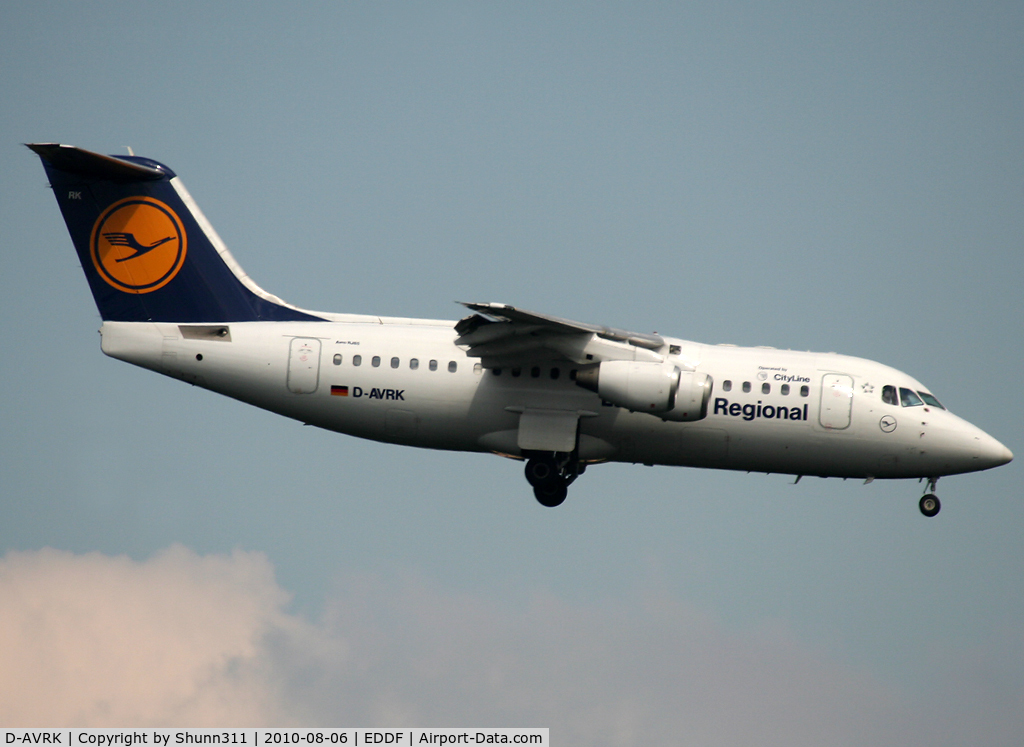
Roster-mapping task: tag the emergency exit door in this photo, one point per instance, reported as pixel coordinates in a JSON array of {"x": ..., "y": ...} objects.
[
  {"x": 303, "y": 365},
  {"x": 836, "y": 401}
]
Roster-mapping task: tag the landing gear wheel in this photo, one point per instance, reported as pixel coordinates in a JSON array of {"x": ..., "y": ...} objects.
[
  {"x": 929, "y": 504},
  {"x": 551, "y": 495},
  {"x": 550, "y": 474},
  {"x": 541, "y": 472}
]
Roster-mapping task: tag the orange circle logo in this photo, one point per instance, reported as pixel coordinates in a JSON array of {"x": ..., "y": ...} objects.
[{"x": 138, "y": 245}]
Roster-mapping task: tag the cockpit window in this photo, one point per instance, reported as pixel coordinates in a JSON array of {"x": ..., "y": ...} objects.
[
  {"x": 889, "y": 395},
  {"x": 930, "y": 400},
  {"x": 909, "y": 399}
]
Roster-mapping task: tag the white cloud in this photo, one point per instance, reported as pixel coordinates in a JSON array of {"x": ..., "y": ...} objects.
[
  {"x": 95, "y": 640},
  {"x": 181, "y": 639}
]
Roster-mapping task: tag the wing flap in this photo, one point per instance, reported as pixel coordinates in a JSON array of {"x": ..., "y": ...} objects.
[
  {"x": 508, "y": 313},
  {"x": 502, "y": 335}
]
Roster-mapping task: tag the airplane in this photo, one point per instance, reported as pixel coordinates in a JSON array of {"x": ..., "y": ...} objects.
[{"x": 557, "y": 394}]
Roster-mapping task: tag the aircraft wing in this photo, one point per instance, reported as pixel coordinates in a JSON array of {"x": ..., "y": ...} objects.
[{"x": 500, "y": 334}]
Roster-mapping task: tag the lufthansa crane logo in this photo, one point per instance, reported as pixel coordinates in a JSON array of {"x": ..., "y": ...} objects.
[{"x": 138, "y": 245}]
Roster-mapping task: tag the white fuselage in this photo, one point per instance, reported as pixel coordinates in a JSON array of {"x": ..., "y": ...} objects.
[{"x": 770, "y": 410}]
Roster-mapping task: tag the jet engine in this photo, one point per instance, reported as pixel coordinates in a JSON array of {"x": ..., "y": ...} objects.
[{"x": 659, "y": 389}]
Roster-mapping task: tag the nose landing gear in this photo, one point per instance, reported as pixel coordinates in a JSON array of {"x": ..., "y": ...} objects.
[
  {"x": 550, "y": 475},
  {"x": 929, "y": 503}
]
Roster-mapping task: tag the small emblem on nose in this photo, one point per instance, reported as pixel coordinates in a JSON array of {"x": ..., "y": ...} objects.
[{"x": 887, "y": 424}]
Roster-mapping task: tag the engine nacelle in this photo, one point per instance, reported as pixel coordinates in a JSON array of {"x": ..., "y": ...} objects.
[
  {"x": 659, "y": 389},
  {"x": 692, "y": 397}
]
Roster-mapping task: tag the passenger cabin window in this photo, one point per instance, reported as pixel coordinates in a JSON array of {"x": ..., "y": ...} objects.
[
  {"x": 337, "y": 359},
  {"x": 395, "y": 362},
  {"x": 357, "y": 360},
  {"x": 908, "y": 398},
  {"x": 496, "y": 371},
  {"x": 516, "y": 371},
  {"x": 930, "y": 400},
  {"x": 785, "y": 389},
  {"x": 375, "y": 361},
  {"x": 746, "y": 386},
  {"x": 889, "y": 395},
  {"x": 805, "y": 391},
  {"x": 414, "y": 363},
  {"x": 555, "y": 373},
  {"x": 452, "y": 366},
  {"x": 535, "y": 372},
  {"x": 433, "y": 365},
  {"x": 766, "y": 388},
  {"x": 726, "y": 386}
]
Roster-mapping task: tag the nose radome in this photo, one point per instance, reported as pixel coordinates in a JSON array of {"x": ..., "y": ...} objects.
[
  {"x": 1006, "y": 457},
  {"x": 995, "y": 454}
]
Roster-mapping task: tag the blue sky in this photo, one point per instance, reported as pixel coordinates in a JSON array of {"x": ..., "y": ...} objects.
[{"x": 808, "y": 176}]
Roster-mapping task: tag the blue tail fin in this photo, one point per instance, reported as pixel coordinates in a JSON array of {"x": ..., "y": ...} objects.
[{"x": 148, "y": 252}]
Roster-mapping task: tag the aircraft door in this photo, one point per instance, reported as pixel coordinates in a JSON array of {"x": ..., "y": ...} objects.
[
  {"x": 836, "y": 401},
  {"x": 303, "y": 365}
]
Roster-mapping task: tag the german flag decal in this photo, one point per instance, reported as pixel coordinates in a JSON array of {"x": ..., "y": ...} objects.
[{"x": 339, "y": 391}]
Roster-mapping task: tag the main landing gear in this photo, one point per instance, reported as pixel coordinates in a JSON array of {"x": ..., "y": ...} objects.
[
  {"x": 550, "y": 474},
  {"x": 929, "y": 503}
]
